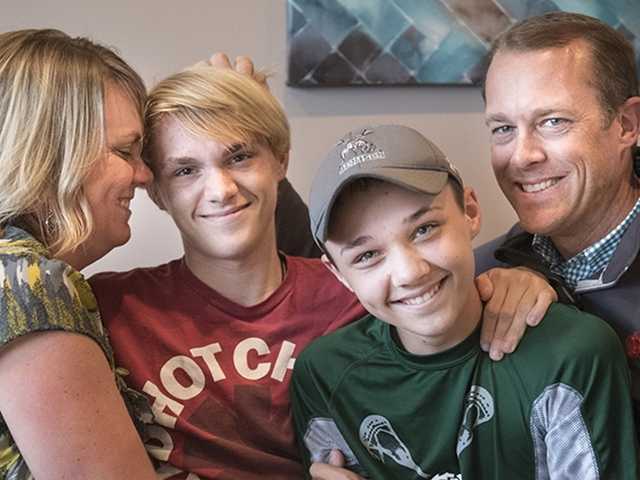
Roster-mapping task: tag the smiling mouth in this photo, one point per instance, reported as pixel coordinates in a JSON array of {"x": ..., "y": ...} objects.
[
  {"x": 538, "y": 187},
  {"x": 424, "y": 297},
  {"x": 226, "y": 213}
]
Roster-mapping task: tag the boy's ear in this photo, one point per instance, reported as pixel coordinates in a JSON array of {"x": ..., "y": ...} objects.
[
  {"x": 472, "y": 211},
  {"x": 283, "y": 165},
  {"x": 154, "y": 194},
  {"x": 336, "y": 273}
]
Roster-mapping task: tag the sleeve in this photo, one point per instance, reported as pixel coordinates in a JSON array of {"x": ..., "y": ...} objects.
[
  {"x": 292, "y": 224},
  {"x": 316, "y": 431},
  {"x": 41, "y": 294},
  {"x": 582, "y": 426}
]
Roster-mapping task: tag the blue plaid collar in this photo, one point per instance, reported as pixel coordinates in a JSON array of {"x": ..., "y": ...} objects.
[{"x": 591, "y": 261}]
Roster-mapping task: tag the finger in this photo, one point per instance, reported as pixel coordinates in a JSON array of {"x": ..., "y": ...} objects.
[
  {"x": 336, "y": 458},
  {"x": 519, "y": 323},
  {"x": 484, "y": 286},
  {"x": 323, "y": 471},
  {"x": 490, "y": 318},
  {"x": 500, "y": 343},
  {"x": 219, "y": 60},
  {"x": 244, "y": 65},
  {"x": 539, "y": 309}
]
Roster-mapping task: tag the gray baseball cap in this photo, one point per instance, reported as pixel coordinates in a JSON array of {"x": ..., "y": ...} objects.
[{"x": 394, "y": 153}]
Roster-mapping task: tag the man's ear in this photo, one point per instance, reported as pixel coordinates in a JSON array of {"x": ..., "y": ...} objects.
[
  {"x": 629, "y": 117},
  {"x": 336, "y": 273},
  {"x": 472, "y": 211}
]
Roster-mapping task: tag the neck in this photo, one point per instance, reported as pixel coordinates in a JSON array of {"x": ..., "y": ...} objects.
[
  {"x": 246, "y": 281},
  {"x": 79, "y": 258},
  {"x": 464, "y": 326},
  {"x": 605, "y": 218}
]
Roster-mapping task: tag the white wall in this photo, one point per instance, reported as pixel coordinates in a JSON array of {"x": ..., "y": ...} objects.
[{"x": 158, "y": 37}]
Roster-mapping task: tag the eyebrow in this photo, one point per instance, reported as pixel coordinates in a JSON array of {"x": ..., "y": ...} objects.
[
  {"x": 412, "y": 218},
  {"x": 541, "y": 112}
]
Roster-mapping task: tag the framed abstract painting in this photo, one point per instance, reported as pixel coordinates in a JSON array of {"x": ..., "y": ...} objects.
[{"x": 416, "y": 42}]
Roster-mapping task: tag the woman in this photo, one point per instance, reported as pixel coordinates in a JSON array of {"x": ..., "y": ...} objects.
[{"x": 70, "y": 140}]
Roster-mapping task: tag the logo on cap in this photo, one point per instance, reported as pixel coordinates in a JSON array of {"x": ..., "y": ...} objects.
[{"x": 357, "y": 150}]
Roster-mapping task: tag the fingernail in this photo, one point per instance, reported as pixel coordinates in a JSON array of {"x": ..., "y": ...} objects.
[
  {"x": 484, "y": 346},
  {"x": 496, "y": 356}
]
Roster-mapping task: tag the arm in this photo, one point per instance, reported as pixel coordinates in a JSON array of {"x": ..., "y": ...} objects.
[
  {"x": 514, "y": 298},
  {"x": 333, "y": 470},
  {"x": 582, "y": 426},
  {"x": 60, "y": 402},
  {"x": 324, "y": 450}
]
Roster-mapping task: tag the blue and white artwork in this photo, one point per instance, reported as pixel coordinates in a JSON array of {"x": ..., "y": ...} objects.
[{"x": 409, "y": 42}]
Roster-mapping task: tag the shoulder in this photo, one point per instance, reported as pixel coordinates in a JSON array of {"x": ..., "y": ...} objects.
[
  {"x": 40, "y": 293},
  {"x": 314, "y": 279},
  {"x": 109, "y": 283},
  {"x": 332, "y": 355},
  {"x": 568, "y": 335},
  {"x": 485, "y": 253}
]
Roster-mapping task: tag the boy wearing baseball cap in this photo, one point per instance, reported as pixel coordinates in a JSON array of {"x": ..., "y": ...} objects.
[{"x": 406, "y": 392}]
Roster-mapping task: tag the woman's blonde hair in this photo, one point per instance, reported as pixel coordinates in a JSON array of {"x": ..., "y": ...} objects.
[
  {"x": 221, "y": 104},
  {"x": 52, "y": 129}
]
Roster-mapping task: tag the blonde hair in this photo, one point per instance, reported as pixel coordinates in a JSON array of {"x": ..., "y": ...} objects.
[
  {"x": 52, "y": 130},
  {"x": 221, "y": 104}
]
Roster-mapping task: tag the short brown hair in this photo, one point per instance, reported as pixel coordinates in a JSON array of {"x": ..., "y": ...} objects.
[{"x": 614, "y": 67}]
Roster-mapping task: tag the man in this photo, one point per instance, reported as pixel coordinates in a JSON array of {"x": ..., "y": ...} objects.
[
  {"x": 406, "y": 392},
  {"x": 562, "y": 105}
]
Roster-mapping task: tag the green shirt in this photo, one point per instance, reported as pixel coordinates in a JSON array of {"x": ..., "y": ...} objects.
[{"x": 559, "y": 407}]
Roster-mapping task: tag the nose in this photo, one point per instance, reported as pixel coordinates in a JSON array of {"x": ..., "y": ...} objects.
[
  {"x": 528, "y": 150},
  {"x": 220, "y": 185},
  {"x": 408, "y": 267},
  {"x": 142, "y": 174}
]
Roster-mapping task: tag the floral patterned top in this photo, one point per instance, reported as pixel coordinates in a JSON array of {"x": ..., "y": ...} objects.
[{"x": 39, "y": 293}]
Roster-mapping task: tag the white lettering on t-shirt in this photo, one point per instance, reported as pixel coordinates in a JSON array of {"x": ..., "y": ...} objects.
[
  {"x": 160, "y": 443},
  {"x": 284, "y": 361},
  {"x": 241, "y": 358},
  {"x": 208, "y": 354},
  {"x": 160, "y": 402},
  {"x": 171, "y": 383}
]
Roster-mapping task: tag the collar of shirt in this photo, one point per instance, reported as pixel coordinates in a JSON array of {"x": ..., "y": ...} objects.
[{"x": 590, "y": 261}]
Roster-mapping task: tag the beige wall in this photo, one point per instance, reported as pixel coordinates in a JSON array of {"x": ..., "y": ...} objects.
[{"x": 159, "y": 36}]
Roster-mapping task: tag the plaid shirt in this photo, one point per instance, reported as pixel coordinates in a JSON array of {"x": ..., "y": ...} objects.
[{"x": 590, "y": 262}]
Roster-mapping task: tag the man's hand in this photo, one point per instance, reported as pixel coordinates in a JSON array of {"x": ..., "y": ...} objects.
[
  {"x": 333, "y": 470},
  {"x": 515, "y": 298},
  {"x": 242, "y": 64}
]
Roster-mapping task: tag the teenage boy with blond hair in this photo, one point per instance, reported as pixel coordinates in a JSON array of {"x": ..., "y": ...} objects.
[{"x": 406, "y": 392}]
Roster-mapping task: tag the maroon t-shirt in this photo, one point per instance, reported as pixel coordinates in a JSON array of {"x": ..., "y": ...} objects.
[{"x": 216, "y": 373}]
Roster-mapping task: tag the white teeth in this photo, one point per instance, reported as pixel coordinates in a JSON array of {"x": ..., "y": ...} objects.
[
  {"x": 425, "y": 297},
  {"x": 538, "y": 187}
]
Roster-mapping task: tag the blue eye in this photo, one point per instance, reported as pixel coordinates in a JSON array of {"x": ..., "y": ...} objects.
[
  {"x": 424, "y": 230},
  {"x": 502, "y": 130},
  {"x": 183, "y": 172},
  {"x": 239, "y": 157},
  {"x": 554, "y": 122},
  {"x": 365, "y": 257}
]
